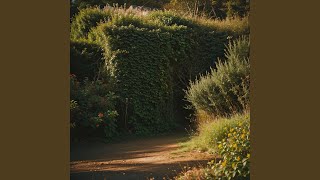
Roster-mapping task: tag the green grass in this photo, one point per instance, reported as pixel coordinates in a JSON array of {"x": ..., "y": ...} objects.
[{"x": 210, "y": 131}]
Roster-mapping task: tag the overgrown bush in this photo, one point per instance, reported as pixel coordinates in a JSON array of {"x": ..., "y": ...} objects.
[
  {"x": 225, "y": 90},
  {"x": 92, "y": 109},
  {"x": 238, "y": 49}
]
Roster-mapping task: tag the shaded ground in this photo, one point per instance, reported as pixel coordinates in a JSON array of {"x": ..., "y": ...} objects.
[{"x": 136, "y": 159}]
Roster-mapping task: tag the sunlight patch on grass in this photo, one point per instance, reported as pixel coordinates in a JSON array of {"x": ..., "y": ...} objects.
[{"x": 205, "y": 140}]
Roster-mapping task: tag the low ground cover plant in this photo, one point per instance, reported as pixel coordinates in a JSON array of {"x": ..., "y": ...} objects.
[{"x": 234, "y": 147}]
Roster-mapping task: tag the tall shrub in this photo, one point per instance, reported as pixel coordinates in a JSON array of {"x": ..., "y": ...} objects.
[{"x": 224, "y": 90}]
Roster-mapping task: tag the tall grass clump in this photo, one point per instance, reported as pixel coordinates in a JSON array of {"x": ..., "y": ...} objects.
[{"x": 225, "y": 90}]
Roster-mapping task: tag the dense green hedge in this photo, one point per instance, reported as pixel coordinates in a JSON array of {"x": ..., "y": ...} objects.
[
  {"x": 153, "y": 57},
  {"x": 86, "y": 59},
  {"x": 153, "y": 60}
]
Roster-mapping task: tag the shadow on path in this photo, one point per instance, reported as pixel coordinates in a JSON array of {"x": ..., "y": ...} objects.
[{"x": 137, "y": 159}]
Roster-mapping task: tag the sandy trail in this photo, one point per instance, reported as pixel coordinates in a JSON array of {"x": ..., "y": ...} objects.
[{"x": 135, "y": 159}]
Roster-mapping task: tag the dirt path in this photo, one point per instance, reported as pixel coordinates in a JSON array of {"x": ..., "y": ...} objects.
[{"x": 136, "y": 159}]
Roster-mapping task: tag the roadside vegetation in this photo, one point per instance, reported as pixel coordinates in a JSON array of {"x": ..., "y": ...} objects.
[{"x": 221, "y": 103}]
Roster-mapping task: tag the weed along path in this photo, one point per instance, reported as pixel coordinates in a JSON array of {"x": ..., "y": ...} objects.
[{"x": 148, "y": 158}]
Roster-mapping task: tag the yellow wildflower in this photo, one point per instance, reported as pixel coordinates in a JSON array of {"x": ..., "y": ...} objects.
[
  {"x": 233, "y": 165},
  {"x": 235, "y": 145},
  {"x": 224, "y": 163}
]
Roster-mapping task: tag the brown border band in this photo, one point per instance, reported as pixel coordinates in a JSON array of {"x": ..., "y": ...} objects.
[{"x": 35, "y": 90}]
